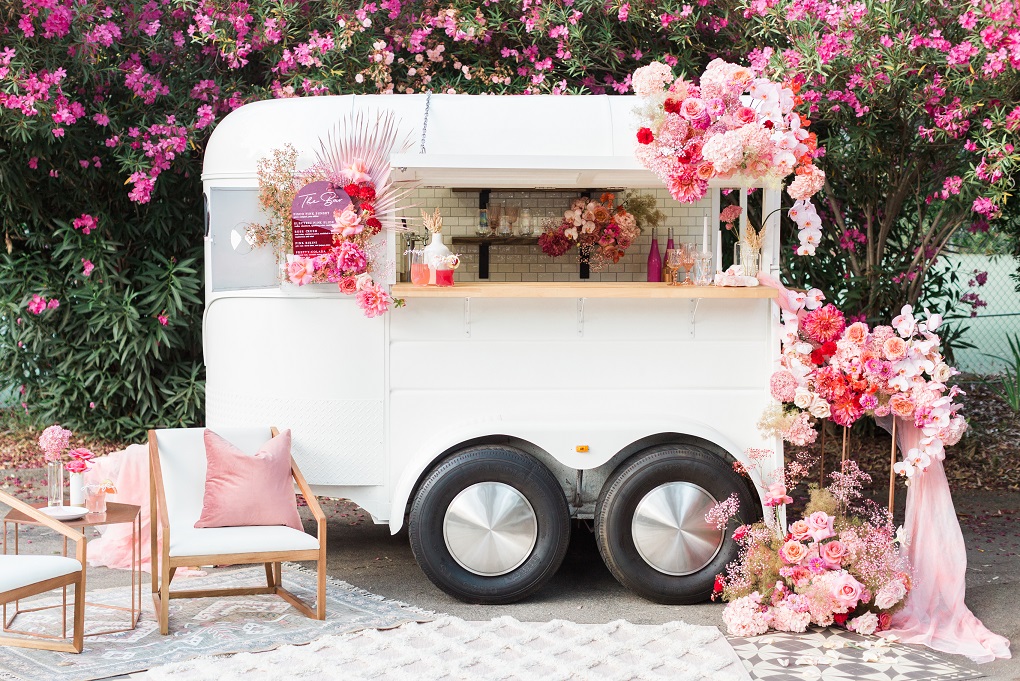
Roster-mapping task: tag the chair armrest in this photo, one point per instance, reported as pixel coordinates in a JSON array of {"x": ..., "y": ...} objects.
[
  {"x": 306, "y": 491},
  {"x": 38, "y": 516},
  {"x": 158, "y": 495}
]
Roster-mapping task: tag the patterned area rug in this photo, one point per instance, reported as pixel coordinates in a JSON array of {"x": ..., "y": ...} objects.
[
  {"x": 503, "y": 649},
  {"x": 838, "y": 654},
  {"x": 200, "y": 626}
]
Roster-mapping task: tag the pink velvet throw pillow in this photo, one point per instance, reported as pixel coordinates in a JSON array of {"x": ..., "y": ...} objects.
[{"x": 242, "y": 490}]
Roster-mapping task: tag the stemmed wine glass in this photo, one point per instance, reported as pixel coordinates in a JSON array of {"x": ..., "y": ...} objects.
[
  {"x": 688, "y": 256},
  {"x": 673, "y": 259}
]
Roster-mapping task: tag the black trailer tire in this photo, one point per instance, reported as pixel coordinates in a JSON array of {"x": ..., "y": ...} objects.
[
  {"x": 692, "y": 479},
  {"x": 515, "y": 475}
]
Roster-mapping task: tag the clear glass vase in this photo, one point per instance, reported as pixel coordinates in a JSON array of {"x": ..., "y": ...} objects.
[
  {"x": 55, "y": 483},
  {"x": 750, "y": 259}
]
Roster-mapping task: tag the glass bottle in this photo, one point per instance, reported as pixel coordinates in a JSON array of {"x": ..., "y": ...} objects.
[
  {"x": 654, "y": 260},
  {"x": 482, "y": 229},
  {"x": 666, "y": 276}
]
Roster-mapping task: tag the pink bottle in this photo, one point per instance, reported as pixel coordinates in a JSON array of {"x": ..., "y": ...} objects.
[{"x": 654, "y": 260}]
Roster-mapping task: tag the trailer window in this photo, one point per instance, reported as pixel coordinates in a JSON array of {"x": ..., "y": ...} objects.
[{"x": 234, "y": 263}]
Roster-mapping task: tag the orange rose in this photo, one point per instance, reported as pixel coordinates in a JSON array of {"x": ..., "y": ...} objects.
[
  {"x": 901, "y": 405},
  {"x": 894, "y": 348},
  {"x": 793, "y": 552},
  {"x": 601, "y": 214},
  {"x": 857, "y": 333}
]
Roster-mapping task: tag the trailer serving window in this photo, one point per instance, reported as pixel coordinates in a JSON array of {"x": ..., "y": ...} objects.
[{"x": 234, "y": 263}]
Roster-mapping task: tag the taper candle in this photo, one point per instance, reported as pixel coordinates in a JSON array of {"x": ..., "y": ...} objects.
[{"x": 704, "y": 237}]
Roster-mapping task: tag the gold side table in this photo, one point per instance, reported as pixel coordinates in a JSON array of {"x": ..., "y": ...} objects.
[{"x": 115, "y": 514}]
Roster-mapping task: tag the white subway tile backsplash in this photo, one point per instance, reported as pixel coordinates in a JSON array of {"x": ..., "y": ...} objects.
[{"x": 528, "y": 262}]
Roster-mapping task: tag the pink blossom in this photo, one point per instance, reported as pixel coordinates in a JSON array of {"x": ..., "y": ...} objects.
[
  {"x": 846, "y": 590},
  {"x": 300, "y": 270},
  {"x": 820, "y": 525},
  {"x": 374, "y": 300},
  {"x": 87, "y": 267},
  {"x": 783, "y": 385},
  {"x": 162, "y": 319},
  {"x": 776, "y": 495},
  {"x": 37, "y": 305},
  {"x": 86, "y": 223},
  {"x": 348, "y": 222},
  {"x": 53, "y": 441}
]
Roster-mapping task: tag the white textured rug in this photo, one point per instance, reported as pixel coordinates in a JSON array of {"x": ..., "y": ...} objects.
[{"x": 451, "y": 649}]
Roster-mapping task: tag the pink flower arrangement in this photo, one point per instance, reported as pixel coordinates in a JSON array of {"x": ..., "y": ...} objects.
[
  {"x": 830, "y": 370},
  {"x": 830, "y": 567},
  {"x": 81, "y": 460},
  {"x": 689, "y": 134},
  {"x": 597, "y": 228},
  {"x": 53, "y": 441}
]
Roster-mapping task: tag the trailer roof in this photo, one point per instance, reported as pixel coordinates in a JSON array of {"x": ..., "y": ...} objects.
[{"x": 471, "y": 141}]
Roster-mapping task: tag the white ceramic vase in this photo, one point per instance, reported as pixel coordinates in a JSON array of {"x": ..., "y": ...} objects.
[
  {"x": 77, "y": 481},
  {"x": 435, "y": 253}
]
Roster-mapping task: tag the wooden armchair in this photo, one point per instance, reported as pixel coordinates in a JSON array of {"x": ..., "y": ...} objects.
[
  {"x": 22, "y": 576},
  {"x": 177, "y": 466}
]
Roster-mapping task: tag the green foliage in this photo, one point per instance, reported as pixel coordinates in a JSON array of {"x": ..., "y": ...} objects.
[
  {"x": 1008, "y": 386},
  {"x": 105, "y": 111}
]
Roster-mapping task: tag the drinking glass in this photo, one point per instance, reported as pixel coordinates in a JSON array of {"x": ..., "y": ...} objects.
[
  {"x": 527, "y": 223},
  {"x": 95, "y": 498},
  {"x": 673, "y": 257},
  {"x": 419, "y": 268},
  {"x": 444, "y": 277},
  {"x": 688, "y": 256}
]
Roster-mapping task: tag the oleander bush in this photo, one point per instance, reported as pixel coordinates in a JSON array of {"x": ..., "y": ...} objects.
[{"x": 106, "y": 105}]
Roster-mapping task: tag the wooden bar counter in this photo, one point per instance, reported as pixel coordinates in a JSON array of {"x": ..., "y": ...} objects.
[{"x": 573, "y": 289}]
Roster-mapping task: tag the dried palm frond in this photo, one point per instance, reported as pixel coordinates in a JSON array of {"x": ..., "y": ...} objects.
[
  {"x": 434, "y": 222},
  {"x": 754, "y": 239},
  {"x": 366, "y": 141}
]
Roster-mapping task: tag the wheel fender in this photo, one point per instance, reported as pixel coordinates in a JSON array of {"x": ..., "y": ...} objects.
[{"x": 560, "y": 439}]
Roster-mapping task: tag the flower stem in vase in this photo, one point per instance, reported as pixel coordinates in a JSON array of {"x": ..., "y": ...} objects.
[{"x": 55, "y": 483}]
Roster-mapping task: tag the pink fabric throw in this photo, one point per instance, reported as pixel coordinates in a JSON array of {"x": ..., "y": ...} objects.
[
  {"x": 935, "y": 613},
  {"x": 129, "y": 471},
  {"x": 242, "y": 490}
]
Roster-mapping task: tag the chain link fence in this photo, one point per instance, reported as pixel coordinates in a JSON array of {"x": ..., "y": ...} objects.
[{"x": 997, "y": 320}]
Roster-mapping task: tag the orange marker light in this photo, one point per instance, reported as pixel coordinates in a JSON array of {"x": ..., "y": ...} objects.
[{"x": 581, "y": 449}]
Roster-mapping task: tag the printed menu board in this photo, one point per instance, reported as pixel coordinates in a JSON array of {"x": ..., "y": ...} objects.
[{"x": 311, "y": 217}]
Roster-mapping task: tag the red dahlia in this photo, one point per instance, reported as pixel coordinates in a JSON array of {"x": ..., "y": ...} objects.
[{"x": 645, "y": 136}]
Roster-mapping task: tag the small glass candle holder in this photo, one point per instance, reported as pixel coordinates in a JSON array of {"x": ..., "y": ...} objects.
[
  {"x": 95, "y": 498},
  {"x": 704, "y": 269}
]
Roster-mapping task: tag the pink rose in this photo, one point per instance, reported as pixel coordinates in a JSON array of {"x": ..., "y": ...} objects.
[
  {"x": 746, "y": 115},
  {"x": 695, "y": 110},
  {"x": 348, "y": 222},
  {"x": 894, "y": 348},
  {"x": 793, "y": 552},
  {"x": 348, "y": 285},
  {"x": 776, "y": 495},
  {"x": 857, "y": 333},
  {"x": 846, "y": 590},
  {"x": 800, "y": 530},
  {"x": 300, "y": 270},
  {"x": 77, "y": 466},
  {"x": 832, "y": 553},
  {"x": 820, "y": 525},
  {"x": 901, "y": 405}
]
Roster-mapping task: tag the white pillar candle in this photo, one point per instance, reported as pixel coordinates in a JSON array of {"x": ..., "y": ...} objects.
[
  {"x": 718, "y": 251},
  {"x": 704, "y": 237}
]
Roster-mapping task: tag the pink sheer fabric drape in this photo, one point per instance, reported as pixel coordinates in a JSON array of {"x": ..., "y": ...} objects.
[{"x": 935, "y": 614}]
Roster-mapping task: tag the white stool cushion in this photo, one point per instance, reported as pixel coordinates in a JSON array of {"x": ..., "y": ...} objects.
[
  {"x": 185, "y": 541},
  {"x": 19, "y": 571}
]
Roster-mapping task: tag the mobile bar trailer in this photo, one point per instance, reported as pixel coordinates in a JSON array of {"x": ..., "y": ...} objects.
[{"x": 487, "y": 415}]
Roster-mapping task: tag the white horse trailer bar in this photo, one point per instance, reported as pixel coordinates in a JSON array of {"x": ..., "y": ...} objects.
[{"x": 559, "y": 410}]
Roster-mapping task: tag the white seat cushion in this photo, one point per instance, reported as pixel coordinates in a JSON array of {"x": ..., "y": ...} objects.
[
  {"x": 214, "y": 540},
  {"x": 19, "y": 571}
]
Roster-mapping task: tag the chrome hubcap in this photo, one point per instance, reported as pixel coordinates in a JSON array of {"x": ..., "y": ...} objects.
[
  {"x": 670, "y": 531},
  {"x": 490, "y": 529}
]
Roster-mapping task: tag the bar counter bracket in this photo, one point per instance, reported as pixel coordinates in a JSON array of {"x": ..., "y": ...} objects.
[
  {"x": 580, "y": 317},
  {"x": 467, "y": 317},
  {"x": 693, "y": 306}
]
